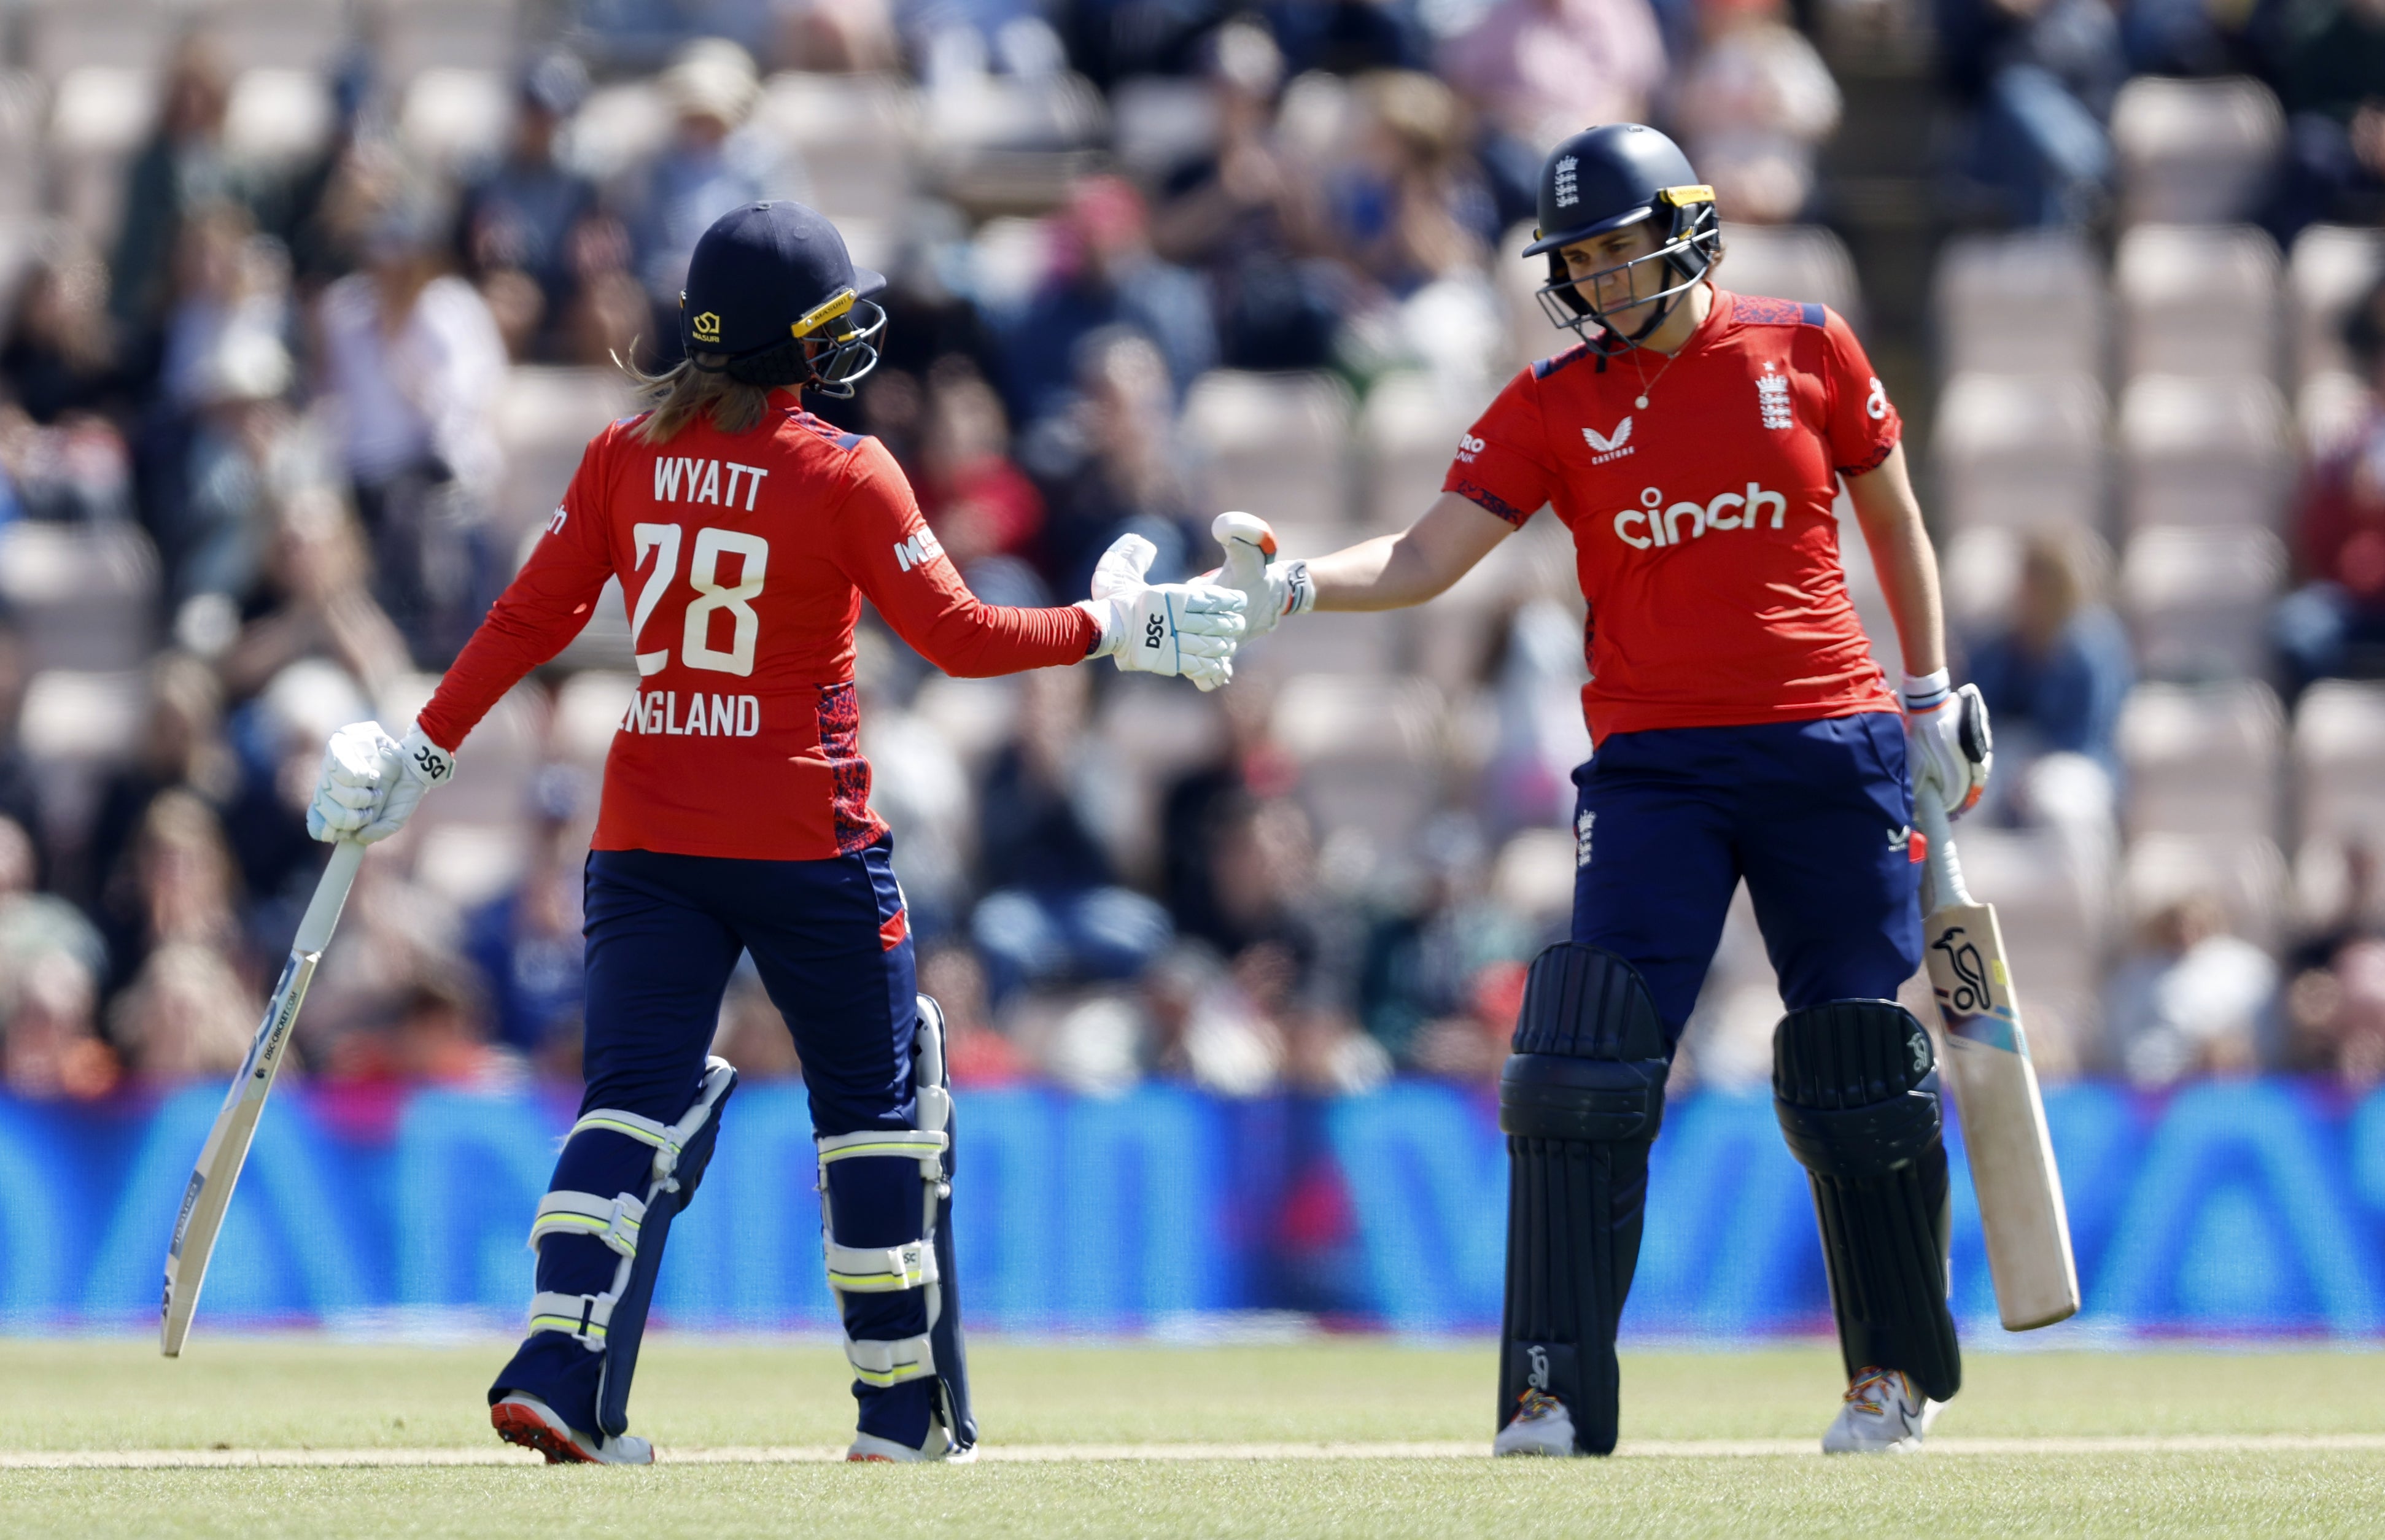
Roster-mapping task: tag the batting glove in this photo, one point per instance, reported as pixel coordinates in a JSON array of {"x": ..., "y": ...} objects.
[
  {"x": 1947, "y": 741},
  {"x": 370, "y": 783},
  {"x": 1271, "y": 590},
  {"x": 1176, "y": 628}
]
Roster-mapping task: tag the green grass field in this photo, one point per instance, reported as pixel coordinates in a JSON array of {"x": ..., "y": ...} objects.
[{"x": 283, "y": 1393}]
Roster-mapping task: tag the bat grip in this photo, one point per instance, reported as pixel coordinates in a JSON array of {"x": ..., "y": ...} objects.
[
  {"x": 330, "y": 894},
  {"x": 1945, "y": 868}
]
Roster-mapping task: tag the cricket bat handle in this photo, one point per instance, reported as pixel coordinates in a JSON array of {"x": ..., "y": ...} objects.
[{"x": 1945, "y": 868}]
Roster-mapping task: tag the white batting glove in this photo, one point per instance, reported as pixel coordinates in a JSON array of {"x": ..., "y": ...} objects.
[
  {"x": 1946, "y": 740},
  {"x": 1177, "y": 628},
  {"x": 1270, "y": 588},
  {"x": 370, "y": 783}
]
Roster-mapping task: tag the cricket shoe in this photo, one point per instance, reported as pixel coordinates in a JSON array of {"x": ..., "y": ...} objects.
[
  {"x": 868, "y": 1449},
  {"x": 530, "y": 1422},
  {"x": 1541, "y": 1426},
  {"x": 1883, "y": 1415}
]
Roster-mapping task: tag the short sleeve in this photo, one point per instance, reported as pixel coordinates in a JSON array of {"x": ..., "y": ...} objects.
[
  {"x": 1863, "y": 426},
  {"x": 1501, "y": 463}
]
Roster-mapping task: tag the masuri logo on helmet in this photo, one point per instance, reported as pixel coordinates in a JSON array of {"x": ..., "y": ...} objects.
[{"x": 762, "y": 283}]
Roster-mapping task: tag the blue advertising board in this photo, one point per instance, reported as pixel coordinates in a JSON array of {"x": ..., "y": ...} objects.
[{"x": 2235, "y": 1208}]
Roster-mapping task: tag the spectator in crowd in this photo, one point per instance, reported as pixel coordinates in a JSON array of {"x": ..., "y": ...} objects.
[
  {"x": 1250, "y": 765},
  {"x": 2329, "y": 72},
  {"x": 34, "y": 923},
  {"x": 182, "y": 168},
  {"x": 526, "y": 942},
  {"x": 186, "y": 1016},
  {"x": 48, "y": 1046},
  {"x": 412, "y": 362},
  {"x": 1471, "y": 1043},
  {"x": 279, "y": 737},
  {"x": 1102, "y": 273},
  {"x": 1347, "y": 37},
  {"x": 839, "y": 37},
  {"x": 1529, "y": 779},
  {"x": 920, "y": 787},
  {"x": 975, "y": 1053},
  {"x": 312, "y": 599},
  {"x": 1408, "y": 210},
  {"x": 1537, "y": 70},
  {"x": 2055, "y": 676},
  {"x": 1424, "y": 969},
  {"x": 2191, "y": 999},
  {"x": 434, "y": 1035},
  {"x": 1263, "y": 874},
  {"x": 60, "y": 354},
  {"x": 177, "y": 884},
  {"x": 1206, "y": 1028},
  {"x": 2035, "y": 80},
  {"x": 707, "y": 169},
  {"x": 2334, "y": 623},
  {"x": 522, "y": 220},
  {"x": 2335, "y": 1003},
  {"x": 1752, "y": 107},
  {"x": 752, "y": 1035},
  {"x": 244, "y": 459},
  {"x": 182, "y": 749},
  {"x": 1248, "y": 217},
  {"x": 1055, "y": 908},
  {"x": 1111, "y": 465},
  {"x": 985, "y": 509},
  {"x": 20, "y": 793}
]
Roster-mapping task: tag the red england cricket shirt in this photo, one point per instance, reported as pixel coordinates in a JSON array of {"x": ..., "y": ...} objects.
[
  {"x": 744, "y": 559},
  {"x": 1701, "y": 522}
]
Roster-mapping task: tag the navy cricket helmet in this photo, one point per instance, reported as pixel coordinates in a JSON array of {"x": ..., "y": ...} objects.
[
  {"x": 773, "y": 296},
  {"x": 1606, "y": 178}
]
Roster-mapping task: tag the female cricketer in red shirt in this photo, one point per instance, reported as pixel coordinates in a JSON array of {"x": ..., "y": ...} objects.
[
  {"x": 746, "y": 533},
  {"x": 1694, "y": 444}
]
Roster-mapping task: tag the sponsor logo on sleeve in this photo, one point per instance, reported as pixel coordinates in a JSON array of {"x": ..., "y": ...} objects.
[
  {"x": 918, "y": 551},
  {"x": 1469, "y": 446}
]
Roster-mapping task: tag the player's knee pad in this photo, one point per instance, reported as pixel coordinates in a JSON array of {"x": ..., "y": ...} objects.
[
  {"x": 1579, "y": 1101},
  {"x": 633, "y": 1225},
  {"x": 904, "y": 1245},
  {"x": 1855, "y": 1084}
]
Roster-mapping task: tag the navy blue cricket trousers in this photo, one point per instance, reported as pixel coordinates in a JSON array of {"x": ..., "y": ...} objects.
[
  {"x": 1815, "y": 816},
  {"x": 830, "y": 942}
]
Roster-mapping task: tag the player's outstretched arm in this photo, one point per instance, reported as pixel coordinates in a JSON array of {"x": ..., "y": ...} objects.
[{"x": 1389, "y": 572}]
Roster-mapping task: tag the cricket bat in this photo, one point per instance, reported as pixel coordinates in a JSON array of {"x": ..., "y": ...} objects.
[
  {"x": 1995, "y": 1092},
  {"x": 209, "y": 1192}
]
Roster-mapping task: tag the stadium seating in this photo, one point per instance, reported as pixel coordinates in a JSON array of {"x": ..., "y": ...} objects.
[
  {"x": 1274, "y": 445},
  {"x": 2204, "y": 760},
  {"x": 1370, "y": 750},
  {"x": 545, "y": 418},
  {"x": 2198, "y": 300},
  {"x": 2203, "y": 452},
  {"x": 2020, "y": 452},
  {"x": 2198, "y": 600},
  {"x": 2245, "y": 873},
  {"x": 2332, "y": 267},
  {"x": 84, "y": 595},
  {"x": 2194, "y": 152},
  {"x": 1407, "y": 431},
  {"x": 457, "y": 117},
  {"x": 2033, "y": 303},
  {"x": 853, "y": 136},
  {"x": 2339, "y": 746},
  {"x": 1806, "y": 263}
]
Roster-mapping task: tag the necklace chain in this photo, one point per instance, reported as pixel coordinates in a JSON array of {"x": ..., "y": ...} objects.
[{"x": 1646, "y": 384}]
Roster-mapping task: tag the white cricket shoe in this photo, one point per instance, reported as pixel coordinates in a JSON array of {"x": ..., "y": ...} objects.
[
  {"x": 1541, "y": 1426},
  {"x": 867, "y": 1448},
  {"x": 1883, "y": 1415},
  {"x": 530, "y": 1422}
]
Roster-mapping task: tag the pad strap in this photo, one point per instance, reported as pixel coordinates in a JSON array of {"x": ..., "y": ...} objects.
[
  {"x": 615, "y": 1220},
  {"x": 667, "y": 1139},
  {"x": 584, "y": 1316},
  {"x": 925, "y": 1146},
  {"x": 889, "y": 1270},
  {"x": 888, "y": 1363}
]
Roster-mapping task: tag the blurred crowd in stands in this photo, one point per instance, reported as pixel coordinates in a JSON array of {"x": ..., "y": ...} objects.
[{"x": 282, "y": 396}]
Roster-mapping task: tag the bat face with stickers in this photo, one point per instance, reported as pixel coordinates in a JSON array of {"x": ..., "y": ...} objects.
[
  {"x": 1995, "y": 1092},
  {"x": 208, "y": 1193}
]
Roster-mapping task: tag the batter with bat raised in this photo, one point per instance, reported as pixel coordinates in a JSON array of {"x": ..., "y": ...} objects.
[{"x": 1694, "y": 442}]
